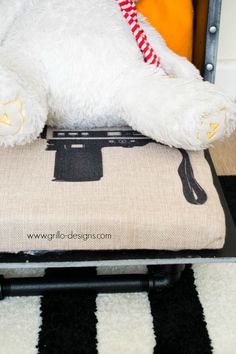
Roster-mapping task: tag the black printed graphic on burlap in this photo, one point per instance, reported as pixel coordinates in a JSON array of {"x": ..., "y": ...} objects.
[
  {"x": 79, "y": 158},
  {"x": 79, "y": 154},
  {"x": 193, "y": 192}
]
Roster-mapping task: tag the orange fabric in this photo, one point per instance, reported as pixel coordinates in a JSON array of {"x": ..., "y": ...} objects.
[{"x": 174, "y": 21}]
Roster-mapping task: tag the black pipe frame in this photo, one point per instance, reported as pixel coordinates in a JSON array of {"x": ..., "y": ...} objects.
[{"x": 158, "y": 279}]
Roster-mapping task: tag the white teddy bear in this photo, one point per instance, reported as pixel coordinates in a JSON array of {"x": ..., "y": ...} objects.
[{"x": 76, "y": 64}]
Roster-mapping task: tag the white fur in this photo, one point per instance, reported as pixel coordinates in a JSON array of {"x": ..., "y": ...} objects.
[{"x": 76, "y": 64}]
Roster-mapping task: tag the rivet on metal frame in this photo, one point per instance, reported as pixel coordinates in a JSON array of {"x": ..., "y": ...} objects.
[
  {"x": 209, "y": 67},
  {"x": 213, "y": 29}
]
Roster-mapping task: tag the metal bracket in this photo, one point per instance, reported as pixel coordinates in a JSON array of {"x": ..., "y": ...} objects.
[{"x": 212, "y": 37}]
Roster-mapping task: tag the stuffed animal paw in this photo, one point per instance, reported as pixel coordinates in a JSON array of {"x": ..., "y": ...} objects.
[
  {"x": 189, "y": 114},
  {"x": 11, "y": 117},
  {"x": 23, "y": 108}
]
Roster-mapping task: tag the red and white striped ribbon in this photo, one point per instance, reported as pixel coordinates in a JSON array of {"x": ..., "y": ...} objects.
[{"x": 129, "y": 11}]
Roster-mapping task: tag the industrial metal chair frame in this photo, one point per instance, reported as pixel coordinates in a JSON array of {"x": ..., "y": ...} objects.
[{"x": 166, "y": 265}]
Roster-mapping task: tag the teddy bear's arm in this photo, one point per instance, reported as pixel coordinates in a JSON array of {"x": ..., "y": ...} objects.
[
  {"x": 10, "y": 10},
  {"x": 172, "y": 63}
]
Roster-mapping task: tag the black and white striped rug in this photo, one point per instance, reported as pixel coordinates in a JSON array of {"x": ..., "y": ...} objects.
[{"x": 197, "y": 316}]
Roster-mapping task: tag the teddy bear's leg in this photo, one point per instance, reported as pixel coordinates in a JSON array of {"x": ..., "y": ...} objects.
[
  {"x": 188, "y": 114},
  {"x": 23, "y": 104},
  {"x": 172, "y": 63}
]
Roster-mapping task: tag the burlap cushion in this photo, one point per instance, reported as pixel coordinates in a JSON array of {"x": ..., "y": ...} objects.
[{"x": 106, "y": 190}]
